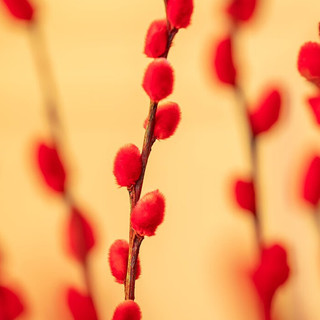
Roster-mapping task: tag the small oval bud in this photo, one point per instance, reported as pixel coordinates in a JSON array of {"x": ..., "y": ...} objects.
[
  {"x": 156, "y": 39},
  {"x": 311, "y": 183},
  {"x": 11, "y": 306},
  {"x": 80, "y": 305},
  {"x": 309, "y": 62},
  {"x": 245, "y": 195},
  {"x": 127, "y": 310},
  {"x": 80, "y": 236},
  {"x": 167, "y": 119},
  {"x": 266, "y": 114},
  {"x": 314, "y": 103},
  {"x": 158, "y": 79},
  {"x": 148, "y": 213},
  {"x": 127, "y": 165},
  {"x": 51, "y": 167},
  {"x": 179, "y": 13},
  {"x": 223, "y": 63},
  {"x": 118, "y": 260},
  {"x": 20, "y": 9},
  {"x": 241, "y": 10}
]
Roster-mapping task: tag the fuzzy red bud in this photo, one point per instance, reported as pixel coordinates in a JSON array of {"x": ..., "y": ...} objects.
[
  {"x": 156, "y": 39},
  {"x": 314, "y": 103},
  {"x": 245, "y": 195},
  {"x": 20, "y": 9},
  {"x": 167, "y": 119},
  {"x": 179, "y": 13},
  {"x": 80, "y": 305},
  {"x": 158, "y": 79},
  {"x": 51, "y": 167},
  {"x": 127, "y": 310},
  {"x": 223, "y": 63},
  {"x": 127, "y": 165},
  {"x": 80, "y": 236},
  {"x": 148, "y": 213},
  {"x": 241, "y": 10},
  {"x": 11, "y": 306},
  {"x": 118, "y": 260},
  {"x": 311, "y": 183},
  {"x": 309, "y": 62},
  {"x": 266, "y": 114}
]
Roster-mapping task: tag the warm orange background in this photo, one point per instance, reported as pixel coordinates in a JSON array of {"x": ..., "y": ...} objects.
[{"x": 191, "y": 268}]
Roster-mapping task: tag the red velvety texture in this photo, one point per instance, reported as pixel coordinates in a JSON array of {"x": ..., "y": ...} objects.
[
  {"x": 80, "y": 235},
  {"x": 118, "y": 260},
  {"x": 223, "y": 63},
  {"x": 158, "y": 79},
  {"x": 272, "y": 272},
  {"x": 311, "y": 183},
  {"x": 167, "y": 119},
  {"x": 266, "y": 113},
  {"x": 20, "y": 9},
  {"x": 127, "y": 165},
  {"x": 51, "y": 167},
  {"x": 241, "y": 10},
  {"x": 245, "y": 195},
  {"x": 179, "y": 13},
  {"x": 314, "y": 103},
  {"x": 309, "y": 62},
  {"x": 11, "y": 306},
  {"x": 127, "y": 310},
  {"x": 80, "y": 305},
  {"x": 148, "y": 213},
  {"x": 157, "y": 39}
]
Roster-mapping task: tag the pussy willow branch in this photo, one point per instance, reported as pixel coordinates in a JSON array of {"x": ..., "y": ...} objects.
[
  {"x": 135, "y": 239},
  {"x": 49, "y": 90}
]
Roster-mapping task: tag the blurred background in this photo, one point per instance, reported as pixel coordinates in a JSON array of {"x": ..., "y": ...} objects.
[{"x": 196, "y": 265}]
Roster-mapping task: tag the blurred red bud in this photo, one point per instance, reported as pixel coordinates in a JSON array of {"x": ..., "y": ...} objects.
[
  {"x": 266, "y": 113},
  {"x": 314, "y": 103},
  {"x": 156, "y": 39},
  {"x": 80, "y": 236},
  {"x": 11, "y": 307},
  {"x": 311, "y": 183},
  {"x": 223, "y": 63},
  {"x": 245, "y": 195},
  {"x": 179, "y": 13},
  {"x": 148, "y": 213},
  {"x": 241, "y": 10},
  {"x": 158, "y": 79},
  {"x": 167, "y": 119},
  {"x": 51, "y": 167},
  {"x": 127, "y": 310},
  {"x": 118, "y": 260},
  {"x": 20, "y": 9},
  {"x": 80, "y": 305},
  {"x": 127, "y": 165},
  {"x": 309, "y": 62}
]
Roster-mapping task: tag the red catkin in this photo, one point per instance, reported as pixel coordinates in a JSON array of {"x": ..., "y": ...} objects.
[
  {"x": 314, "y": 103},
  {"x": 245, "y": 195},
  {"x": 157, "y": 39},
  {"x": 127, "y": 310},
  {"x": 158, "y": 79},
  {"x": 148, "y": 213},
  {"x": 179, "y": 13},
  {"x": 241, "y": 10},
  {"x": 266, "y": 113},
  {"x": 272, "y": 272},
  {"x": 51, "y": 167},
  {"x": 118, "y": 260},
  {"x": 80, "y": 305},
  {"x": 311, "y": 182},
  {"x": 309, "y": 62},
  {"x": 127, "y": 165},
  {"x": 20, "y": 9},
  {"x": 223, "y": 63},
  {"x": 11, "y": 306},
  {"x": 167, "y": 119},
  {"x": 80, "y": 236}
]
